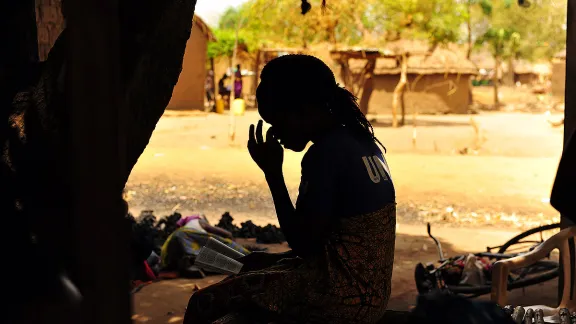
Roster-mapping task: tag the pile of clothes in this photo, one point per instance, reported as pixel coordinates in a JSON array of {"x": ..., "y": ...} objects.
[{"x": 168, "y": 245}]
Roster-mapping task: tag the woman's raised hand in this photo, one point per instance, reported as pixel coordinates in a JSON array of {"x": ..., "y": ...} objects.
[{"x": 268, "y": 154}]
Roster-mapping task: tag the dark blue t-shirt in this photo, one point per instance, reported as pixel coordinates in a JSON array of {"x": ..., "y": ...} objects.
[{"x": 344, "y": 176}]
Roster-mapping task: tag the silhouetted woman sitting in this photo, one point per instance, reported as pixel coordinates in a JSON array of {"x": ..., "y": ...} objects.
[{"x": 342, "y": 229}]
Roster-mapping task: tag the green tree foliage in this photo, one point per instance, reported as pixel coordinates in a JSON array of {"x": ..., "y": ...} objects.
[
  {"x": 503, "y": 43},
  {"x": 439, "y": 21},
  {"x": 226, "y": 36},
  {"x": 541, "y": 27},
  {"x": 351, "y": 22},
  {"x": 281, "y": 21},
  {"x": 229, "y": 18}
]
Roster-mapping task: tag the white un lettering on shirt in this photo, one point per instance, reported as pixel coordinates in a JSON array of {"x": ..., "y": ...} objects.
[{"x": 377, "y": 169}]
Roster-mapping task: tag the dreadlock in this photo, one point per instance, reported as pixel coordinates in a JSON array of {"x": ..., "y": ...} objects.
[
  {"x": 347, "y": 111},
  {"x": 299, "y": 77}
]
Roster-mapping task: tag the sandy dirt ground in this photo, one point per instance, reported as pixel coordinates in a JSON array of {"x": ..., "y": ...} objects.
[
  {"x": 479, "y": 179},
  {"x": 504, "y": 179}
]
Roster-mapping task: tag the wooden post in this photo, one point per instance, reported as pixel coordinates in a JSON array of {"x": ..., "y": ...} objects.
[
  {"x": 213, "y": 106},
  {"x": 367, "y": 86},
  {"x": 345, "y": 73},
  {"x": 469, "y": 29},
  {"x": 511, "y": 75},
  {"x": 403, "y": 107},
  {"x": 570, "y": 89},
  {"x": 93, "y": 90},
  {"x": 396, "y": 98},
  {"x": 415, "y": 130},
  {"x": 232, "y": 126},
  {"x": 569, "y": 117},
  {"x": 256, "y": 76},
  {"x": 495, "y": 80}
]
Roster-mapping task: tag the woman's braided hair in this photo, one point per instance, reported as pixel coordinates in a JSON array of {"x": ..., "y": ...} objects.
[
  {"x": 347, "y": 111},
  {"x": 297, "y": 77}
]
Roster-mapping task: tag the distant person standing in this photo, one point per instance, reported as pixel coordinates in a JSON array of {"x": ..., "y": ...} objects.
[
  {"x": 209, "y": 87},
  {"x": 238, "y": 82},
  {"x": 222, "y": 88}
]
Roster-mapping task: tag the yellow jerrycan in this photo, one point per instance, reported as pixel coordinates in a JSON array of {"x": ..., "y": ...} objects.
[
  {"x": 219, "y": 105},
  {"x": 238, "y": 107}
]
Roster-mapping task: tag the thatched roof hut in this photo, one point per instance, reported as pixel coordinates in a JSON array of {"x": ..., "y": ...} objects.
[
  {"x": 204, "y": 29},
  {"x": 189, "y": 92},
  {"x": 486, "y": 63},
  {"x": 441, "y": 61},
  {"x": 438, "y": 81},
  {"x": 526, "y": 72},
  {"x": 527, "y": 67}
]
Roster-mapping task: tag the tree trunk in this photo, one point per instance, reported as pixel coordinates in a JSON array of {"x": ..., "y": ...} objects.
[
  {"x": 346, "y": 74},
  {"x": 509, "y": 77},
  {"x": 495, "y": 81},
  {"x": 399, "y": 89},
  {"x": 19, "y": 54},
  {"x": 469, "y": 51},
  {"x": 36, "y": 167},
  {"x": 256, "y": 79},
  {"x": 368, "y": 86},
  {"x": 232, "y": 124},
  {"x": 403, "y": 107},
  {"x": 18, "y": 66},
  {"x": 212, "y": 68},
  {"x": 469, "y": 29},
  {"x": 93, "y": 97},
  {"x": 333, "y": 40}
]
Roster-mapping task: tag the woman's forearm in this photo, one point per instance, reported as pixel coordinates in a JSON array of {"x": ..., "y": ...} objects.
[{"x": 283, "y": 204}]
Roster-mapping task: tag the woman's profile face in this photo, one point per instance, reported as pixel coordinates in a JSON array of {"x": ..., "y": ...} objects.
[{"x": 289, "y": 127}]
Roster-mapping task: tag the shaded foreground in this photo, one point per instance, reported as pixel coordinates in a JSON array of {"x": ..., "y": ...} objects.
[{"x": 165, "y": 301}]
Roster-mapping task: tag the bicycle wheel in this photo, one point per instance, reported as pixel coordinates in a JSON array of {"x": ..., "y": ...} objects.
[
  {"x": 541, "y": 271},
  {"x": 520, "y": 239}
]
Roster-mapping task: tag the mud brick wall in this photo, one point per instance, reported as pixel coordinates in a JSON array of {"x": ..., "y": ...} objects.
[{"x": 50, "y": 24}]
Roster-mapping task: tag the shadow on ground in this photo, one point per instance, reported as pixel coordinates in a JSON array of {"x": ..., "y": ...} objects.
[{"x": 165, "y": 301}]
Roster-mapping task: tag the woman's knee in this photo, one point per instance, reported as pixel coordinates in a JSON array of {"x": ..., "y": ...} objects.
[
  {"x": 200, "y": 307},
  {"x": 208, "y": 305}
]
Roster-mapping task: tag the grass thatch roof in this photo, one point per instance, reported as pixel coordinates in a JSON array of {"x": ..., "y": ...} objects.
[
  {"x": 526, "y": 67},
  {"x": 204, "y": 28},
  {"x": 483, "y": 60},
  {"x": 440, "y": 61}
]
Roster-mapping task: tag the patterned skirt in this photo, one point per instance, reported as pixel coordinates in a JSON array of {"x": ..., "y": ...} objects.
[{"x": 348, "y": 283}]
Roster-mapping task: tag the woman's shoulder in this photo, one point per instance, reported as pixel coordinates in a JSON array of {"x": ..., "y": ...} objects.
[
  {"x": 328, "y": 147},
  {"x": 337, "y": 147}
]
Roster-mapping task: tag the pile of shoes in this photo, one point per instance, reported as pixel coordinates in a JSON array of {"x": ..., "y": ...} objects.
[
  {"x": 269, "y": 234},
  {"x": 530, "y": 316},
  {"x": 147, "y": 230}
]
